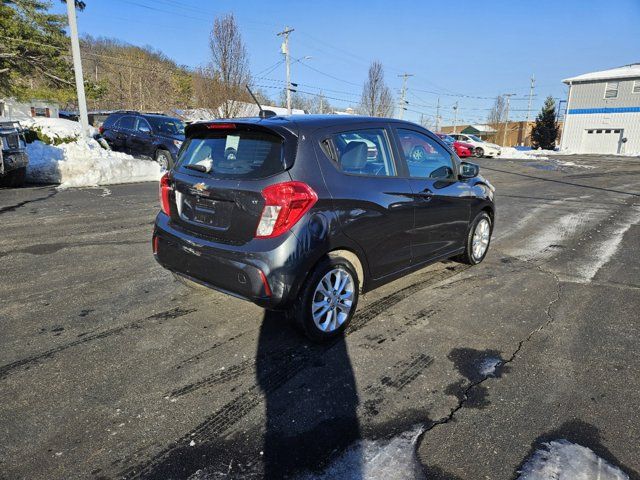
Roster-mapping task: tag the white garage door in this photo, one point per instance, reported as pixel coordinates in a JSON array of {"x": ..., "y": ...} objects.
[{"x": 601, "y": 141}]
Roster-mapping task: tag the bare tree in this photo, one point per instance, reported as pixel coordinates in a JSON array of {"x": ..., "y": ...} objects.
[
  {"x": 376, "y": 99},
  {"x": 497, "y": 116},
  {"x": 230, "y": 63}
]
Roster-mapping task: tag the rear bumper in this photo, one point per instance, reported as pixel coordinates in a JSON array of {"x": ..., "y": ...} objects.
[{"x": 262, "y": 276}]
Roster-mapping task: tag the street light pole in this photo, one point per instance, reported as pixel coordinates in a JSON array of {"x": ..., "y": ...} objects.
[{"x": 77, "y": 67}]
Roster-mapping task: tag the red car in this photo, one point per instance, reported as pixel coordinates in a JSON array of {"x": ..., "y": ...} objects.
[{"x": 463, "y": 150}]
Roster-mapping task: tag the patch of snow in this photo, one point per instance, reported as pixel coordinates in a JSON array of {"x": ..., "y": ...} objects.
[
  {"x": 487, "y": 367},
  {"x": 563, "y": 460},
  {"x": 393, "y": 459},
  {"x": 510, "y": 152},
  {"x": 603, "y": 253},
  {"x": 56, "y": 127},
  {"x": 538, "y": 245},
  {"x": 84, "y": 163}
]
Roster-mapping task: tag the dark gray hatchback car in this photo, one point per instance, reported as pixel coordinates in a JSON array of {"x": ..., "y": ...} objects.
[{"x": 304, "y": 213}]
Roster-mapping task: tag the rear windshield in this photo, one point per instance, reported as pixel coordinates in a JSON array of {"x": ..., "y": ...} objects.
[{"x": 235, "y": 154}]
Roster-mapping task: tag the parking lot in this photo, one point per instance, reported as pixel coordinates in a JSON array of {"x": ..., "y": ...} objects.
[{"x": 110, "y": 368}]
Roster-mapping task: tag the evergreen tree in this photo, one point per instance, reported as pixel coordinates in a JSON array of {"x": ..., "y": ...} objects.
[
  {"x": 34, "y": 49},
  {"x": 545, "y": 131}
]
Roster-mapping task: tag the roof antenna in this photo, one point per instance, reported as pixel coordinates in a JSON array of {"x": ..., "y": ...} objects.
[{"x": 263, "y": 113}]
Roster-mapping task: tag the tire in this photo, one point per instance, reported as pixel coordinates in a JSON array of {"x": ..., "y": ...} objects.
[
  {"x": 327, "y": 272},
  {"x": 479, "y": 152},
  {"x": 15, "y": 178},
  {"x": 163, "y": 157},
  {"x": 482, "y": 227}
]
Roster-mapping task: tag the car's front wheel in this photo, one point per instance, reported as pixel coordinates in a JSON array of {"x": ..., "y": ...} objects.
[
  {"x": 478, "y": 240},
  {"x": 328, "y": 299},
  {"x": 479, "y": 152},
  {"x": 163, "y": 157}
]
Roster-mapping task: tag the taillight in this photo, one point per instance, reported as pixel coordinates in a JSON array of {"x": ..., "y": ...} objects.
[
  {"x": 101, "y": 130},
  {"x": 165, "y": 190},
  {"x": 221, "y": 126},
  {"x": 285, "y": 204}
]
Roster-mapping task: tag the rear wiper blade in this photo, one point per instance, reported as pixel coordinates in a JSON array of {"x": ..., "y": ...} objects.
[{"x": 199, "y": 168}]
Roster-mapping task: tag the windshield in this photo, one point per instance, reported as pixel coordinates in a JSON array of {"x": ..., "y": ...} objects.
[
  {"x": 235, "y": 154},
  {"x": 167, "y": 126},
  {"x": 477, "y": 139},
  {"x": 446, "y": 138}
]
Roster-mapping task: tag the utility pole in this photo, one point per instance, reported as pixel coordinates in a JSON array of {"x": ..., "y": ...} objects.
[
  {"x": 285, "y": 51},
  {"x": 455, "y": 117},
  {"x": 506, "y": 118},
  {"x": 77, "y": 66},
  {"x": 403, "y": 93},
  {"x": 526, "y": 125},
  {"x": 438, "y": 115}
]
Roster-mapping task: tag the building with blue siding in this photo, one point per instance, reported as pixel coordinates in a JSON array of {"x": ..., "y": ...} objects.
[{"x": 603, "y": 112}]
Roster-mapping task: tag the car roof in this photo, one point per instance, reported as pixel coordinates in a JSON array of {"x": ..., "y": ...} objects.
[{"x": 306, "y": 122}]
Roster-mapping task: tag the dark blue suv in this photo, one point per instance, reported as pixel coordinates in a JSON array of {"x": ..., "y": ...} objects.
[{"x": 145, "y": 135}]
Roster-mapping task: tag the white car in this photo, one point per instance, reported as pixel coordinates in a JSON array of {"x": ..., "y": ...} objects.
[{"x": 481, "y": 148}]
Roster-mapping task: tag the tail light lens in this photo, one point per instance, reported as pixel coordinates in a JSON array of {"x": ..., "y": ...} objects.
[
  {"x": 165, "y": 190},
  {"x": 285, "y": 204},
  {"x": 101, "y": 130}
]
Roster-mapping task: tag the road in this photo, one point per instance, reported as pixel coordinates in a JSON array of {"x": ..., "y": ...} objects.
[{"x": 109, "y": 368}]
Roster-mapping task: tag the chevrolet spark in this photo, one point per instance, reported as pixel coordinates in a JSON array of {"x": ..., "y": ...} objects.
[{"x": 305, "y": 213}]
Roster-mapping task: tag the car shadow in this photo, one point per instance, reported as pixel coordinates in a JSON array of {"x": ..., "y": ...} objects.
[{"x": 311, "y": 401}]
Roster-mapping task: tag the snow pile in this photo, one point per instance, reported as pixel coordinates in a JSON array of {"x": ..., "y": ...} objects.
[
  {"x": 85, "y": 163},
  {"x": 510, "y": 152},
  {"x": 393, "y": 459},
  {"x": 56, "y": 127},
  {"x": 563, "y": 460}
]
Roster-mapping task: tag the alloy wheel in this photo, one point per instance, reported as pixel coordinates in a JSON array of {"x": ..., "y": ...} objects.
[
  {"x": 163, "y": 161},
  {"x": 332, "y": 300},
  {"x": 480, "y": 241}
]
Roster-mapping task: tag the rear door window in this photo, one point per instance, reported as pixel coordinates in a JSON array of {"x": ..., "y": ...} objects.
[
  {"x": 364, "y": 152},
  {"x": 425, "y": 157},
  {"x": 126, "y": 123},
  {"x": 236, "y": 154}
]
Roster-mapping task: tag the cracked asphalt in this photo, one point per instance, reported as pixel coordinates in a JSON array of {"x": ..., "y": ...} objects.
[{"x": 109, "y": 368}]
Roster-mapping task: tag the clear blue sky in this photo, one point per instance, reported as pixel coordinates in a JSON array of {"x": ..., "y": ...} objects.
[{"x": 478, "y": 49}]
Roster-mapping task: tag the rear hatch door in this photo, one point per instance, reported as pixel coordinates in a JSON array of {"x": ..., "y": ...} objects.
[{"x": 220, "y": 175}]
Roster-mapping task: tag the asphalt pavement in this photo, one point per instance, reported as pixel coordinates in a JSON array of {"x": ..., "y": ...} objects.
[{"x": 110, "y": 368}]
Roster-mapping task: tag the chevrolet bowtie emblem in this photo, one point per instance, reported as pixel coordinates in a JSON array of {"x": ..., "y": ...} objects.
[{"x": 200, "y": 187}]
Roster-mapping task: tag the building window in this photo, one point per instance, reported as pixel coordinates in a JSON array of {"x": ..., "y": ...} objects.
[
  {"x": 636, "y": 86},
  {"x": 611, "y": 90}
]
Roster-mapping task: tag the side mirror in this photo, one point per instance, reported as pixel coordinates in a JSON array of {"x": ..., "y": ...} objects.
[
  {"x": 469, "y": 170},
  {"x": 144, "y": 129}
]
